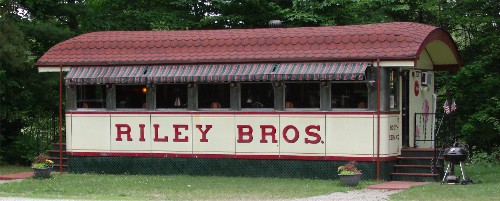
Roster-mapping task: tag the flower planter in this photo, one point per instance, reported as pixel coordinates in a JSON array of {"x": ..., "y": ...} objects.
[
  {"x": 42, "y": 172},
  {"x": 350, "y": 179}
]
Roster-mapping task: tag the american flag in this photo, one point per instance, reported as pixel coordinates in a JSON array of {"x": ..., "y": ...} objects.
[
  {"x": 453, "y": 106},
  {"x": 446, "y": 107}
]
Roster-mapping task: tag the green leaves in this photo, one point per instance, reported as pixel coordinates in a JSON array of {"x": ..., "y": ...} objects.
[
  {"x": 141, "y": 15},
  {"x": 476, "y": 85},
  {"x": 14, "y": 49}
]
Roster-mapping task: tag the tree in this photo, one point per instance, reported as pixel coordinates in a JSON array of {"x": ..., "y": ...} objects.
[
  {"x": 242, "y": 13},
  {"x": 13, "y": 58},
  {"x": 26, "y": 95},
  {"x": 46, "y": 23},
  {"x": 143, "y": 15},
  {"x": 477, "y": 31}
]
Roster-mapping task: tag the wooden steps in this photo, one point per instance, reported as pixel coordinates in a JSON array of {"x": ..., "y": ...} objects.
[
  {"x": 416, "y": 174},
  {"x": 418, "y": 164},
  {"x": 54, "y": 155}
]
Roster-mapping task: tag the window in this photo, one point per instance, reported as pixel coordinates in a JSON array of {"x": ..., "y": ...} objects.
[
  {"x": 349, "y": 95},
  {"x": 213, "y": 96},
  {"x": 131, "y": 96},
  {"x": 257, "y": 95},
  {"x": 394, "y": 88},
  {"x": 91, "y": 96},
  {"x": 171, "y": 96},
  {"x": 302, "y": 95}
]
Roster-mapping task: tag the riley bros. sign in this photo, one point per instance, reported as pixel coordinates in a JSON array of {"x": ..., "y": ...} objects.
[{"x": 245, "y": 133}]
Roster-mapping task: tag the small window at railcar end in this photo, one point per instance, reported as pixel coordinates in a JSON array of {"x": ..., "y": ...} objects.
[{"x": 394, "y": 89}]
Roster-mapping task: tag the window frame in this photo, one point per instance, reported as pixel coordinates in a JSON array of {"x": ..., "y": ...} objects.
[{"x": 235, "y": 96}]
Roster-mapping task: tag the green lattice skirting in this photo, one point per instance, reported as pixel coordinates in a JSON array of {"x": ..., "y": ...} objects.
[{"x": 221, "y": 167}]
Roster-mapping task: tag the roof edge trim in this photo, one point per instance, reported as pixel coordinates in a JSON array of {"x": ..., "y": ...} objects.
[
  {"x": 295, "y": 60},
  {"x": 442, "y": 35},
  {"x": 48, "y": 69}
]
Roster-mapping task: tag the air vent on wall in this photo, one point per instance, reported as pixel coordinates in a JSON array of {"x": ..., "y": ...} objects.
[{"x": 426, "y": 78}]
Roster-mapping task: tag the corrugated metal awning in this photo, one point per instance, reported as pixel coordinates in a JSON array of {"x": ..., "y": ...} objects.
[
  {"x": 107, "y": 74},
  {"x": 217, "y": 73},
  {"x": 209, "y": 73},
  {"x": 321, "y": 71}
]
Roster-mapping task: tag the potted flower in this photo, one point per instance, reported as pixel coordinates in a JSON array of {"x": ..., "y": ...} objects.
[
  {"x": 42, "y": 166},
  {"x": 349, "y": 174}
]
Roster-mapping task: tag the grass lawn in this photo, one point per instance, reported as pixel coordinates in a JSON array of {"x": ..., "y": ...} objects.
[
  {"x": 183, "y": 187},
  {"x": 10, "y": 169},
  {"x": 486, "y": 187},
  {"x": 171, "y": 187}
]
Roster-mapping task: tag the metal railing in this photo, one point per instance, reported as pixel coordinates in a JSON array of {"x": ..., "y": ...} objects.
[
  {"x": 44, "y": 130},
  {"x": 434, "y": 131}
]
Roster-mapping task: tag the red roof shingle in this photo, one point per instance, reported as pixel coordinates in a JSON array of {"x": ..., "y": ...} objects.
[{"x": 388, "y": 41}]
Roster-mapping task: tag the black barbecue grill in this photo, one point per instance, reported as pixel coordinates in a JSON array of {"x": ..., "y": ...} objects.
[{"x": 455, "y": 155}]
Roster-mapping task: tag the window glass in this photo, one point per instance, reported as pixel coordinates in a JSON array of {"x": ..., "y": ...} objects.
[
  {"x": 213, "y": 96},
  {"x": 394, "y": 89},
  {"x": 91, "y": 96},
  {"x": 131, "y": 96},
  {"x": 302, "y": 95},
  {"x": 171, "y": 96},
  {"x": 257, "y": 95},
  {"x": 349, "y": 95}
]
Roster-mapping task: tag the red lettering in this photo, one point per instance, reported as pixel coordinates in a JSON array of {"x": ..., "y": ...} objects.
[
  {"x": 313, "y": 134},
  {"x": 204, "y": 132},
  {"x": 120, "y": 132},
  {"x": 157, "y": 139},
  {"x": 295, "y": 138},
  {"x": 271, "y": 133},
  {"x": 241, "y": 133},
  {"x": 141, "y": 138},
  {"x": 178, "y": 133}
]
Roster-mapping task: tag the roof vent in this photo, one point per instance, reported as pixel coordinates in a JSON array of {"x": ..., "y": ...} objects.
[{"x": 275, "y": 23}]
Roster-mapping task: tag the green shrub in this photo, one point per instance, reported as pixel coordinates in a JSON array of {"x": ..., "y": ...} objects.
[
  {"x": 27, "y": 140},
  {"x": 482, "y": 157}
]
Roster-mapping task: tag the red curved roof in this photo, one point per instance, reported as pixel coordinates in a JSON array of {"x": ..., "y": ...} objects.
[{"x": 385, "y": 41}]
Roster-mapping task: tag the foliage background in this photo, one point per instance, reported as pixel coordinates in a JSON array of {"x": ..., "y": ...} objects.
[{"x": 28, "y": 28}]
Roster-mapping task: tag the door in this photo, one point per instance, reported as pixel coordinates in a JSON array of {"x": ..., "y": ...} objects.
[{"x": 405, "y": 108}]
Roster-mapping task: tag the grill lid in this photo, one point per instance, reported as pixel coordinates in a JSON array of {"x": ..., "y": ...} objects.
[{"x": 455, "y": 154}]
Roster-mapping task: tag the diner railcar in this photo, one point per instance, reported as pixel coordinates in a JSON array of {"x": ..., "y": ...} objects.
[{"x": 292, "y": 102}]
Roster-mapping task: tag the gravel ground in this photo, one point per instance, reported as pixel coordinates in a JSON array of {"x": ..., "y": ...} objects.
[
  {"x": 359, "y": 195},
  {"x": 5, "y": 181},
  {"x": 363, "y": 195}
]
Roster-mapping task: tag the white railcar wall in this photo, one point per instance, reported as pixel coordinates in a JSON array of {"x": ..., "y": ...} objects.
[
  {"x": 340, "y": 135},
  {"x": 423, "y": 102}
]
